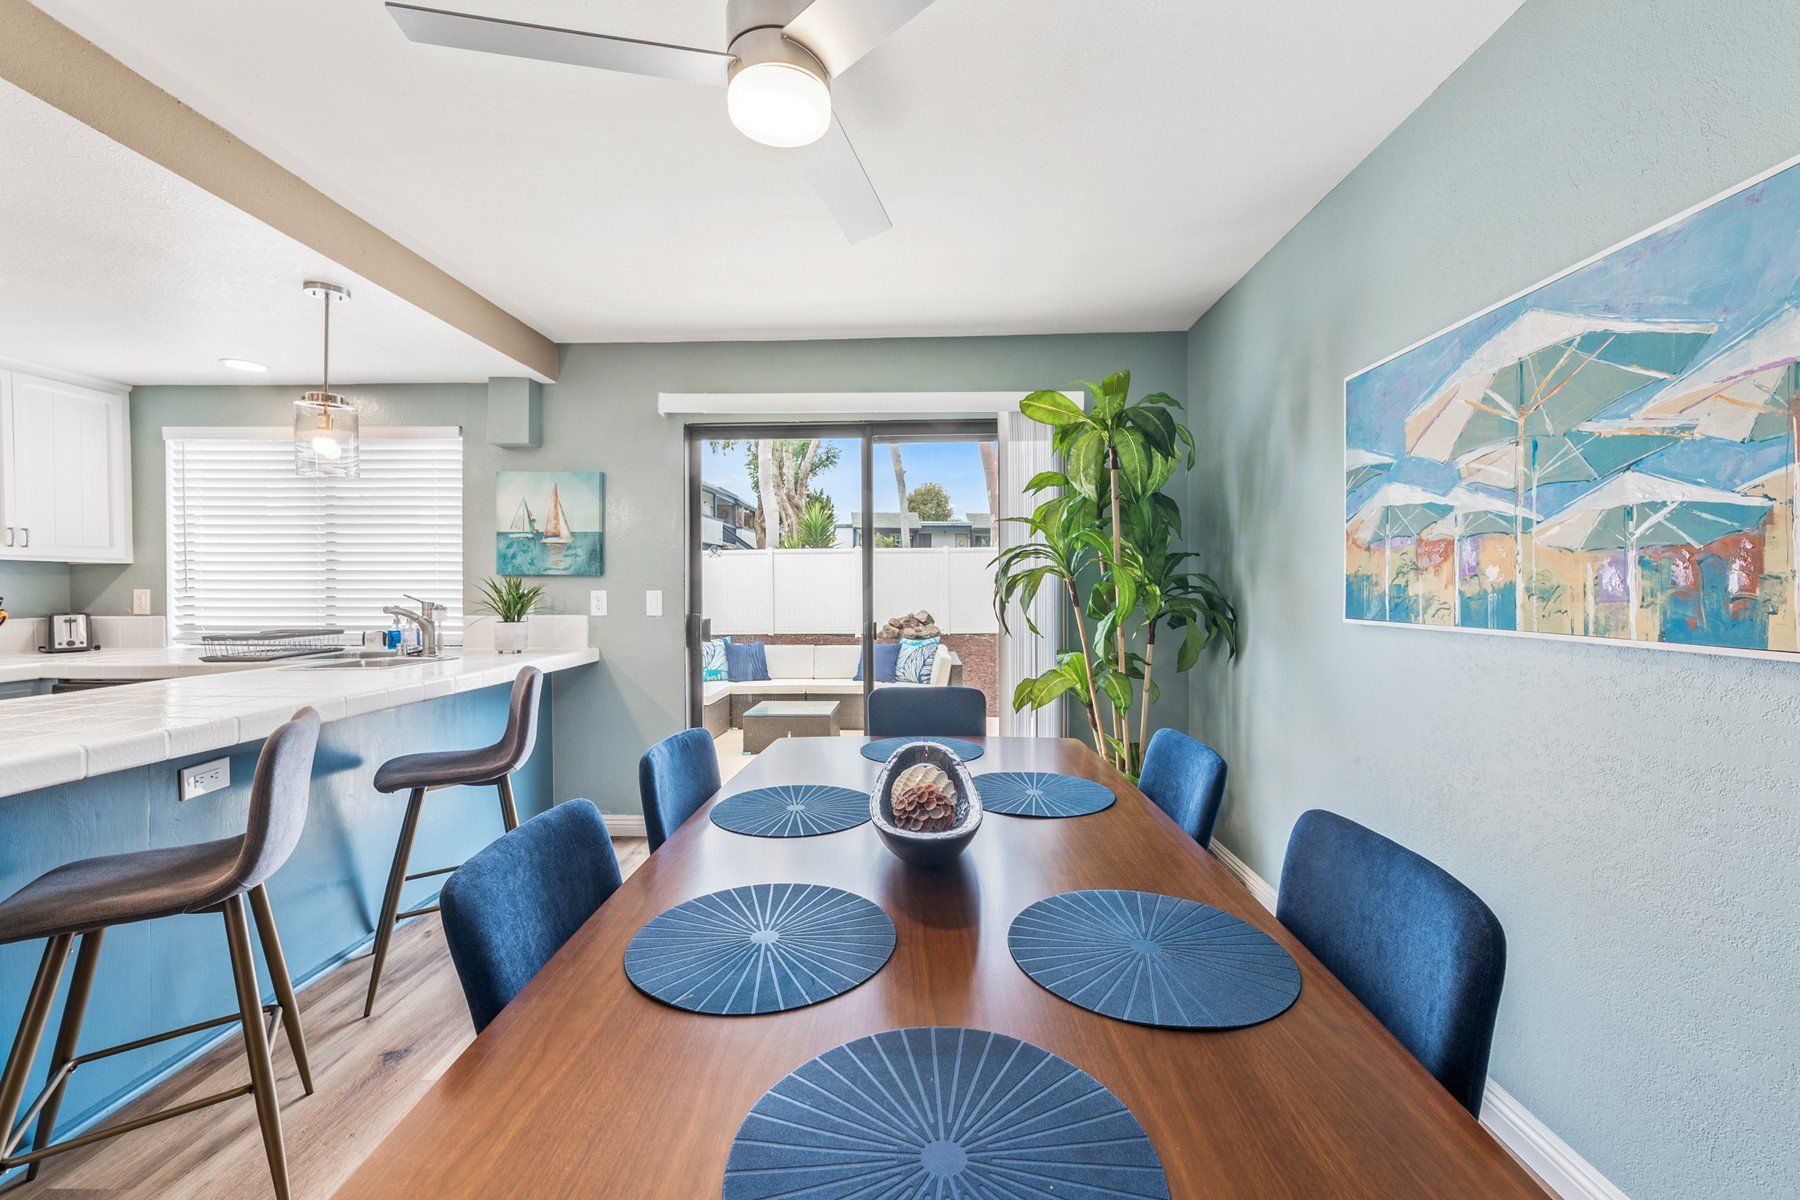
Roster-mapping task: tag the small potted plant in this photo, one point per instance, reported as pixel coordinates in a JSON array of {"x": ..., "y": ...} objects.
[{"x": 511, "y": 600}]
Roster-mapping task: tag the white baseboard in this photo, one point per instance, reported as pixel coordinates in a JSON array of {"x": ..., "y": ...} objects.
[
  {"x": 625, "y": 825},
  {"x": 1566, "y": 1173}
]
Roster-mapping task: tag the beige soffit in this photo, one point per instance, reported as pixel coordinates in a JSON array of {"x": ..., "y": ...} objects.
[{"x": 63, "y": 69}]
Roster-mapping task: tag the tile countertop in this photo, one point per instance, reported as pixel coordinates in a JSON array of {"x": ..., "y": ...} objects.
[{"x": 185, "y": 706}]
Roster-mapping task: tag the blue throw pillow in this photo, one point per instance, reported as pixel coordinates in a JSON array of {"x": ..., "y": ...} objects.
[
  {"x": 886, "y": 655},
  {"x": 746, "y": 661},
  {"x": 712, "y": 660},
  {"x": 916, "y": 660}
]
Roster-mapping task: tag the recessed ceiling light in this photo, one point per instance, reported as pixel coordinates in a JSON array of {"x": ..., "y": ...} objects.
[{"x": 242, "y": 364}]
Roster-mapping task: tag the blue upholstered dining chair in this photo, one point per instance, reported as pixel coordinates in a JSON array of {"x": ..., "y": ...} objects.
[
  {"x": 1420, "y": 950},
  {"x": 1186, "y": 779},
  {"x": 512, "y": 906},
  {"x": 900, "y": 711},
  {"x": 675, "y": 777}
]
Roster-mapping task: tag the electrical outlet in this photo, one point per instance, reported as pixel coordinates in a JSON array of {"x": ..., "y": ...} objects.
[
  {"x": 596, "y": 603},
  {"x": 205, "y": 777},
  {"x": 140, "y": 602},
  {"x": 653, "y": 604}
]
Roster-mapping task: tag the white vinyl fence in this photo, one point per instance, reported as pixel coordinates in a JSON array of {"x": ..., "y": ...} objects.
[{"x": 820, "y": 591}]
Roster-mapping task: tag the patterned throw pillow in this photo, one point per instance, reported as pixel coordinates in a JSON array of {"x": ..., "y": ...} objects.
[
  {"x": 712, "y": 660},
  {"x": 917, "y": 657}
]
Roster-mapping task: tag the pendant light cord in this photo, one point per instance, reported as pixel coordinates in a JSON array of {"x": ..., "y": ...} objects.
[{"x": 327, "y": 370}]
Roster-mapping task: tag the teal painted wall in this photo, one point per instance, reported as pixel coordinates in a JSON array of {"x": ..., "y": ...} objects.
[
  {"x": 165, "y": 974},
  {"x": 601, "y": 415},
  {"x": 1632, "y": 816},
  {"x": 33, "y": 589}
]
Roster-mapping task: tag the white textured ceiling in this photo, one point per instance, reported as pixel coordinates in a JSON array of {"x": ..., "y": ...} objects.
[
  {"x": 1050, "y": 165},
  {"x": 113, "y": 268}
]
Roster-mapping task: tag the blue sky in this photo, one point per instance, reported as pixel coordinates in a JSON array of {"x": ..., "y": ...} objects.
[
  {"x": 955, "y": 465},
  {"x": 1734, "y": 263}
]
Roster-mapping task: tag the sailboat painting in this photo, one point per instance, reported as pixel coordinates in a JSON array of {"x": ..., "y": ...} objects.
[
  {"x": 1608, "y": 455},
  {"x": 550, "y": 523}
]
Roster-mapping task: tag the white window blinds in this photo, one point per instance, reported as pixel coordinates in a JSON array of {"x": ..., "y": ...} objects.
[{"x": 252, "y": 545}]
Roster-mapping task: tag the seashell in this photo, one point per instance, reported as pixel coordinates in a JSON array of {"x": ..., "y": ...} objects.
[{"x": 924, "y": 775}]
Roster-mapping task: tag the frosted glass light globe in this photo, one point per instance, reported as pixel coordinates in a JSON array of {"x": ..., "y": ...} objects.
[{"x": 779, "y": 104}]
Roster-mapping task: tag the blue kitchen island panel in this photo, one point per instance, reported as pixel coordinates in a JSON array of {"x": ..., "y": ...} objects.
[{"x": 164, "y": 974}]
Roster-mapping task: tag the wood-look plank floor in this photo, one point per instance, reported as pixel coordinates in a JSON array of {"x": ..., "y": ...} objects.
[{"x": 366, "y": 1075}]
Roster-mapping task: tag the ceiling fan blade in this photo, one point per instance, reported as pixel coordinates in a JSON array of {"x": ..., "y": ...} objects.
[
  {"x": 839, "y": 32},
  {"x": 837, "y": 175},
  {"x": 491, "y": 35}
]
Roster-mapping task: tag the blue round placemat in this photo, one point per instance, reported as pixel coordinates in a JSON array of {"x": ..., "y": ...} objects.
[
  {"x": 792, "y": 810},
  {"x": 883, "y": 749},
  {"x": 1154, "y": 960},
  {"x": 940, "y": 1114},
  {"x": 760, "y": 949},
  {"x": 1041, "y": 794}
]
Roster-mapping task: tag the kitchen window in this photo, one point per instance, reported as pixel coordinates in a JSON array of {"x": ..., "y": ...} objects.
[{"x": 252, "y": 545}]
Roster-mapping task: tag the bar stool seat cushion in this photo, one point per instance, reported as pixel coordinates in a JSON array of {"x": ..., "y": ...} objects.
[
  {"x": 448, "y": 768},
  {"x": 117, "y": 889}
]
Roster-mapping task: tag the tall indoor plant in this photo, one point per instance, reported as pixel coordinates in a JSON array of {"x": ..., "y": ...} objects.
[{"x": 1103, "y": 535}]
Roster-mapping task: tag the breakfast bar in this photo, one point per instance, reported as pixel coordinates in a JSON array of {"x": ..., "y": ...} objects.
[{"x": 100, "y": 771}]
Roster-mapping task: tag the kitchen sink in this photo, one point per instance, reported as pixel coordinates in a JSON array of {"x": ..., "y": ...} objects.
[{"x": 372, "y": 662}]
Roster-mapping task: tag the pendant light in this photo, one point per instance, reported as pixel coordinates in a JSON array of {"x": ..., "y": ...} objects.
[{"x": 325, "y": 424}]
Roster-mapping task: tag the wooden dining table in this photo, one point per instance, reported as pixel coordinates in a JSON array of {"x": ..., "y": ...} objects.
[{"x": 585, "y": 1087}]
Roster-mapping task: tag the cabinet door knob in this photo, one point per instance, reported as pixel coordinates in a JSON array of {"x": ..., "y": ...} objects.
[{"x": 26, "y": 530}]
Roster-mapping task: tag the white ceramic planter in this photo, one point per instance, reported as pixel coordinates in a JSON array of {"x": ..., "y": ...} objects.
[{"x": 509, "y": 637}]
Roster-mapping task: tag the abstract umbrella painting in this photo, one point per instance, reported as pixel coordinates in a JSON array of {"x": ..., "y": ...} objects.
[
  {"x": 1610, "y": 454},
  {"x": 550, "y": 523}
]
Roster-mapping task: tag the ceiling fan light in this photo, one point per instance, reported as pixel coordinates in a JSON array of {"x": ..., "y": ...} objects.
[{"x": 779, "y": 104}]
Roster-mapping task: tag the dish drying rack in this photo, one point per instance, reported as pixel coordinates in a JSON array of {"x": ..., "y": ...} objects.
[{"x": 269, "y": 645}]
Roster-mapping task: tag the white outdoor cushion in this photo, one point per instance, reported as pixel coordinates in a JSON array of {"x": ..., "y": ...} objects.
[
  {"x": 835, "y": 687},
  {"x": 772, "y": 687},
  {"x": 790, "y": 662},
  {"x": 716, "y": 689},
  {"x": 835, "y": 662},
  {"x": 940, "y": 669}
]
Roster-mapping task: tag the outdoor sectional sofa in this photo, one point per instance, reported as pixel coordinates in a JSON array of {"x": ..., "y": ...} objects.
[{"x": 808, "y": 672}]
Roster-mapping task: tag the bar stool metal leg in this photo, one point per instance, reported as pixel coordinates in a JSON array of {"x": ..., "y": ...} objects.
[
  {"x": 390, "y": 903},
  {"x": 31, "y": 1032},
  {"x": 509, "y": 812},
  {"x": 256, "y": 1045},
  {"x": 284, "y": 985},
  {"x": 81, "y": 986}
]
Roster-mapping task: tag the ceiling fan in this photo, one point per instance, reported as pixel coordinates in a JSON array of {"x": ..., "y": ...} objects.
[{"x": 779, "y": 60}]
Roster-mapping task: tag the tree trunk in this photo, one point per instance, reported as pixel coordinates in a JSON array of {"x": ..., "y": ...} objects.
[
  {"x": 1144, "y": 715},
  {"x": 767, "y": 492},
  {"x": 1118, "y": 541},
  {"x": 1093, "y": 695},
  {"x": 900, "y": 487}
]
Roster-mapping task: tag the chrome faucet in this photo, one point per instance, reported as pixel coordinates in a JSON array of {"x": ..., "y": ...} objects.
[{"x": 431, "y": 635}]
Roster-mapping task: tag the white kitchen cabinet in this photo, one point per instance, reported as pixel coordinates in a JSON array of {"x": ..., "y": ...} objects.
[{"x": 65, "y": 472}]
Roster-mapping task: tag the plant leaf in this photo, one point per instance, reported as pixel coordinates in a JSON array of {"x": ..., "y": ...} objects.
[{"x": 1052, "y": 408}]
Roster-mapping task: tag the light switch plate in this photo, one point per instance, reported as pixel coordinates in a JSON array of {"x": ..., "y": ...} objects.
[
  {"x": 205, "y": 777},
  {"x": 597, "y": 603},
  {"x": 653, "y": 604},
  {"x": 140, "y": 602}
]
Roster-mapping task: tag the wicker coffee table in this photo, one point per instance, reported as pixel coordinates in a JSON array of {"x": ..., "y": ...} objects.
[{"x": 772, "y": 720}]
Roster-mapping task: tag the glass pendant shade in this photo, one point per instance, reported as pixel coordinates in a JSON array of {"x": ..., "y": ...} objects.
[
  {"x": 326, "y": 426},
  {"x": 326, "y": 436}
]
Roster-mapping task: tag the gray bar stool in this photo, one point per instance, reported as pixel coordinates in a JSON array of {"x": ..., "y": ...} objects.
[
  {"x": 491, "y": 766},
  {"x": 84, "y": 899}
]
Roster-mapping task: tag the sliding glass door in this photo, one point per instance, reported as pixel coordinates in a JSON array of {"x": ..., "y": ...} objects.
[{"x": 827, "y": 560}]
